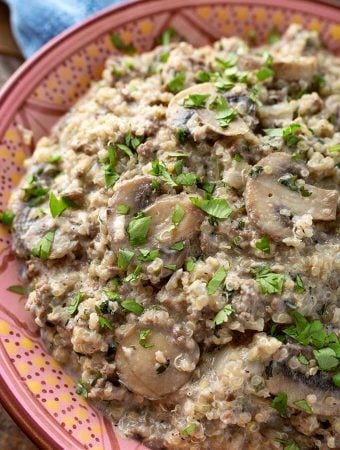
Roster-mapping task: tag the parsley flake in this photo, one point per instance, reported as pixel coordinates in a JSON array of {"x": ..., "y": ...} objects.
[
  {"x": 138, "y": 229},
  {"x": 215, "y": 207},
  {"x": 42, "y": 249},
  {"x": 270, "y": 282},
  {"x": 133, "y": 306},
  {"x": 177, "y": 246},
  {"x": 326, "y": 358},
  {"x": 177, "y": 215},
  {"x": 146, "y": 254},
  {"x": 123, "y": 209},
  {"x": 187, "y": 431},
  {"x": 195, "y": 101},
  {"x": 264, "y": 73},
  {"x": 216, "y": 280},
  {"x": 263, "y": 244},
  {"x": 334, "y": 148},
  {"x": 124, "y": 258},
  {"x": 177, "y": 83},
  {"x": 189, "y": 265},
  {"x": 159, "y": 169},
  {"x": 144, "y": 335},
  {"x": 280, "y": 402},
  {"x": 223, "y": 315},
  {"x": 18, "y": 289},
  {"x": 7, "y": 217},
  {"x": 187, "y": 179},
  {"x": 81, "y": 389},
  {"x": 304, "y": 405},
  {"x": 58, "y": 206},
  {"x": 122, "y": 46},
  {"x": 299, "y": 286},
  {"x": 74, "y": 305}
]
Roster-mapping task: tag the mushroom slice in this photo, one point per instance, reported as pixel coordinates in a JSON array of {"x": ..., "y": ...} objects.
[
  {"x": 287, "y": 68},
  {"x": 136, "y": 193},
  {"x": 298, "y": 386},
  {"x": 278, "y": 115},
  {"x": 153, "y": 362},
  {"x": 267, "y": 196},
  {"x": 178, "y": 116},
  {"x": 163, "y": 233}
]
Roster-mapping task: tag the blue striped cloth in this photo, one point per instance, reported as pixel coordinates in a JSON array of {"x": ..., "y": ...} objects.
[{"x": 35, "y": 22}]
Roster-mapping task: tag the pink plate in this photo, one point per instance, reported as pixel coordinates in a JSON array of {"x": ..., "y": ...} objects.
[{"x": 33, "y": 388}]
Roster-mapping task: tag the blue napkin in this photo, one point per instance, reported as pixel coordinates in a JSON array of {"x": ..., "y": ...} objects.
[{"x": 35, "y": 22}]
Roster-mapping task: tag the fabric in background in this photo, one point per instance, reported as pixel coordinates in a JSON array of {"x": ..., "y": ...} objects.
[{"x": 34, "y": 22}]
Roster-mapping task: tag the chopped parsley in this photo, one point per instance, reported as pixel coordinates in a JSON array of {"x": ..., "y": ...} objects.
[
  {"x": 55, "y": 159},
  {"x": 270, "y": 282},
  {"x": 326, "y": 358},
  {"x": 227, "y": 63},
  {"x": 146, "y": 254},
  {"x": 58, "y": 205},
  {"x": 195, "y": 101},
  {"x": 187, "y": 431},
  {"x": 290, "y": 181},
  {"x": 255, "y": 171},
  {"x": 224, "y": 314},
  {"x": 167, "y": 36},
  {"x": 81, "y": 389},
  {"x": 189, "y": 265},
  {"x": 187, "y": 179},
  {"x": 7, "y": 217},
  {"x": 182, "y": 135},
  {"x": 203, "y": 77},
  {"x": 103, "y": 321},
  {"x": 42, "y": 249},
  {"x": 138, "y": 229},
  {"x": 177, "y": 215},
  {"x": 216, "y": 280},
  {"x": 18, "y": 289},
  {"x": 224, "y": 115},
  {"x": 237, "y": 157},
  {"x": 124, "y": 258},
  {"x": 134, "y": 275},
  {"x": 299, "y": 286},
  {"x": 159, "y": 169},
  {"x": 123, "y": 209},
  {"x": 288, "y": 445},
  {"x": 263, "y": 244},
  {"x": 110, "y": 175},
  {"x": 133, "y": 306},
  {"x": 304, "y": 405},
  {"x": 121, "y": 46},
  {"x": 111, "y": 295},
  {"x": 273, "y": 36},
  {"x": 74, "y": 305},
  {"x": 336, "y": 379},
  {"x": 303, "y": 360},
  {"x": 264, "y": 73},
  {"x": 334, "y": 148},
  {"x": 280, "y": 402},
  {"x": 35, "y": 194},
  {"x": 215, "y": 207},
  {"x": 288, "y": 134},
  {"x": 177, "y": 246},
  {"x": 170, "y": 266},
  {"x": 144, "y": 335},
  {"x": 177, "y": 83}
]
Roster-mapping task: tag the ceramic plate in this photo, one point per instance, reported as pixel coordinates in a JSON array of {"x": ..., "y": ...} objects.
[{"x": 34, "y": 388}]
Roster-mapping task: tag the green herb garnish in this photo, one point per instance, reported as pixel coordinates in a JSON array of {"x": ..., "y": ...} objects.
[
  {"x": 74, "y": 305},
  {"x": 177, "y": 215},
  {"x": 18, "y": 289},
  {"x": 270, "y": 282},
  {"x": 216, "y": 280},
  {"x": 121, "y": 46},
  {"x": 124, "y": 258},
  {"x": 81, "y": 389},
  {"x": 123, "y": 209},
  {"x": 189, "y": 265},
  {"x": 195, "y": 101},
  {"x": 138, "y": 229},
  {"x": 215, "y": 207},
  {"x": 187, "y": 179},
  {"x": 146, "y": 254},
  {"x": 280, "y": 402},
  {"x": 187, "y": 431},
  {"x": 224, "y": 314},
  {"x": 58, "y": 205},
  {"x": 299, "y": 286},
  {"x": 42, "y": 249},
  {"x": 159, "y": 169},
  {"x": 7, "y": 217},
  {"x": 133, "y": 306},
  {"x": 177, "y": 246},
  {"x": 304, "y": 405},
  {"x": 263, "y": 244},
  {"x": 144, "y": 335},
  {"x": 177, "y": 83}
]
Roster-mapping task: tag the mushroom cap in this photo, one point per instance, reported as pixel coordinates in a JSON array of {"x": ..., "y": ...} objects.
[
  {"x": 178, "y": 116},
  {"x": 265, "y": 197},
  {"x": 137, "y": 365},
  {"x": 298, "y": 386}
]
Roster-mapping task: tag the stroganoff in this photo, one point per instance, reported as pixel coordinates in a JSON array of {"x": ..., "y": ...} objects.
[{"x": 180, "y": 232}]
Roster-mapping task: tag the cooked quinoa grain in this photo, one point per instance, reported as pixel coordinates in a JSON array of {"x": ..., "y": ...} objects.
[{"x": 180, "y": 232}]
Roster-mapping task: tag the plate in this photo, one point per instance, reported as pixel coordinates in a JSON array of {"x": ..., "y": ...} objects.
[{"x": 33, "y": 388}]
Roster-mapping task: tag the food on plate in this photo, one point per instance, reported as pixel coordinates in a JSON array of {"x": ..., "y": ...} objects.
[{"x": 180, "y": 233}]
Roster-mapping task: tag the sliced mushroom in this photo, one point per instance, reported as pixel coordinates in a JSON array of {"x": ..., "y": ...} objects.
[
  {"x": 278, "y": 115},
  {"x": 287, "y": 68},
  {"x": 137, "y": 194},
  {"x": 162, "y": 234},
  {"x": 266, "y": 198},
  {"x": 298, "y": 386},
  {"x": 157, "y": 365},
  {"x": 180, "y": 117}
]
